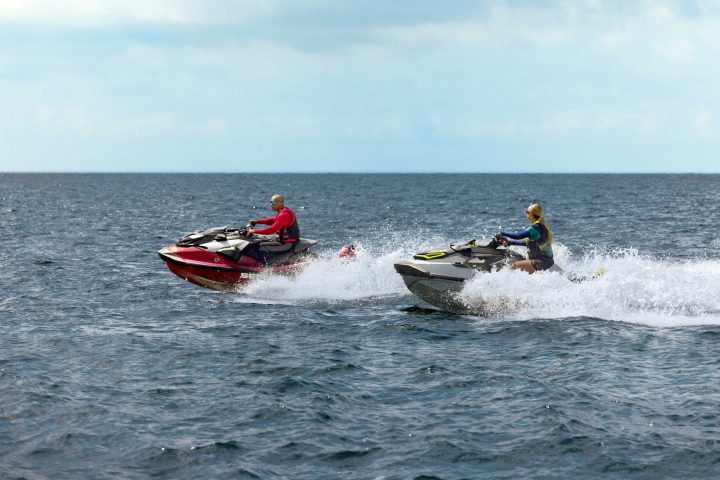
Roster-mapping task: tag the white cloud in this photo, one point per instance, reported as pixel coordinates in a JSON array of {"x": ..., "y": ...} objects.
[
  {"x": 108, "y": 12},
  {"x": 93, "y": 12},
  {"x": 567, "y": 72}
]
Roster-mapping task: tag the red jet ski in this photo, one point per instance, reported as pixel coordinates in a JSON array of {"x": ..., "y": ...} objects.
[{"x": 224, "y": 258}]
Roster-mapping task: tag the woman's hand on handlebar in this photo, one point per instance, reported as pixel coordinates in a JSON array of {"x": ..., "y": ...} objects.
[{"x": 501, "y": 240}]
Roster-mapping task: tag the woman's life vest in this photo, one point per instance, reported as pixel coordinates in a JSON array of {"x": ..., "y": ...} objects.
[{"x": 540, "y": 247}]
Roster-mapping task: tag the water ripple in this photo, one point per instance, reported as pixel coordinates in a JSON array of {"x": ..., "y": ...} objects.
[{"x": 110, "y": 367}]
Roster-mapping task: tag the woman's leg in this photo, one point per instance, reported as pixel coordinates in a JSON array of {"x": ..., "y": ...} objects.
[{"x": 524, "y": 265}]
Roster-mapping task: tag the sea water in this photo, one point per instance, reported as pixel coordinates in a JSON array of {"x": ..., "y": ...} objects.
[{"x": 113, "y": 367}]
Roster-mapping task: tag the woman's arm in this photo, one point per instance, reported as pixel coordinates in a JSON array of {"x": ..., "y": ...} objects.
[{"x": 530, "y": 232}]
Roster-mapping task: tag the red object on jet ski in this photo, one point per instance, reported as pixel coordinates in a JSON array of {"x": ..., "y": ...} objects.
[{"x": 348, "y": 251}]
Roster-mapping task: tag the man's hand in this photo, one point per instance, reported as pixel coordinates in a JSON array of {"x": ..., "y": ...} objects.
[
  {"x": 252, "y": 222},
  {"x": 250, "y": 231},
  {"x": 504, "y": 241}
]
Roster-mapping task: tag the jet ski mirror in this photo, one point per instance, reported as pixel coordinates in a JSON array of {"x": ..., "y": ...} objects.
[{"x": 462, "y": 247}]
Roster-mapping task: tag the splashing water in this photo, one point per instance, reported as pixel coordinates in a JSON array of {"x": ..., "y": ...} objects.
[
  {"x": 367, "y": 279},
  {"x": 635, "y": 289},
  {"x": 333, "y": 372}
]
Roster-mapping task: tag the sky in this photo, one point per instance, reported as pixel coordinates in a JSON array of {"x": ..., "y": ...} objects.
[{"x": 359, "y": 86}]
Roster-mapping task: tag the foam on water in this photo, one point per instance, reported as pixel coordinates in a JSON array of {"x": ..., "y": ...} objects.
[
  {"x": 369, "y": 278},
  {"x": 111, "y": 363},
  {"x": 635, "y": 288}
]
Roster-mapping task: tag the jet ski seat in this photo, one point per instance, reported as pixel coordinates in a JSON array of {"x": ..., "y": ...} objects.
[{"x": 273, "y": 246}]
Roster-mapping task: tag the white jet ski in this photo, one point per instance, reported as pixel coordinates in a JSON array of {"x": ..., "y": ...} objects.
[{"x": 437, "y": 276}]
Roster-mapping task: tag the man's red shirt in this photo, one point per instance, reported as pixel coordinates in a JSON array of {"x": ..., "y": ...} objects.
[{"x": 282, "y": 220}]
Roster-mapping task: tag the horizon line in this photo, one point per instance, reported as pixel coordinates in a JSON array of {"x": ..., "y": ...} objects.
[{"x": 219, "y": 172}]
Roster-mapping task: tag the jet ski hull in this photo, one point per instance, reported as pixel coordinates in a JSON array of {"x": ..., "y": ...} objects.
[
  {"x": 220, "y": 264},
  {"x": 438, "y": 288},
  {"x": 437, "y": 277},
  {"x": 203, "y": 268},
  {"x": 214, "y": 278}
]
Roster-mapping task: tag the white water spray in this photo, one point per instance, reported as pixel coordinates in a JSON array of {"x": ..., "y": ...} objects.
[
  {"x": 366, "y": 279},
  {"x": 635, "y": 289}
]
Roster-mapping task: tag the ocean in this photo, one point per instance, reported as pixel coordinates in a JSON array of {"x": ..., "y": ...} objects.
[{"x": 113, "y": 367}]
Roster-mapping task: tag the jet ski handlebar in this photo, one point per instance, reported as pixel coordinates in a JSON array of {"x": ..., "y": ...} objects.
[
  {"x": 244, "y": 230},
  {"x": 494, "y": 242},
  {"x": 228, "y": 233}
]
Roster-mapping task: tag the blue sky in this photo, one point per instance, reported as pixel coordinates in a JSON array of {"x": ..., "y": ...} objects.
[{"x": 350, "y": 86}]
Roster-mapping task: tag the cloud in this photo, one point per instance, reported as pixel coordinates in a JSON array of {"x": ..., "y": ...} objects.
[
  {"x": 336, "y": 74},
  {"x": 93, "y": 13},
  {"x": 272, "y": 13}
]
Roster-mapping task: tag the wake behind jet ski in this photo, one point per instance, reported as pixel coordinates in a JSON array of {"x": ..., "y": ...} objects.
[{"x": 223, "y": 258}]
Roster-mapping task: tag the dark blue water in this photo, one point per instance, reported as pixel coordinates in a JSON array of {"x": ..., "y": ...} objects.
[{"x": 112, "y": 367}]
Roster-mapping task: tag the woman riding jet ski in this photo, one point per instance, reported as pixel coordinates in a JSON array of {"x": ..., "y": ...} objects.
[
  {"x": 221, "y": 258},
  {"x": 438, "y": 275},
  {"x": 537, "y": 238}
]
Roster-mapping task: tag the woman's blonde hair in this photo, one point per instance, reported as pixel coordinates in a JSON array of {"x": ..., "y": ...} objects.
[{"x": 536, "y": 211}]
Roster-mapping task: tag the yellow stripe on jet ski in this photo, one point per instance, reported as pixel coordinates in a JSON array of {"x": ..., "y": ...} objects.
[{"x": 431, "y": 255}]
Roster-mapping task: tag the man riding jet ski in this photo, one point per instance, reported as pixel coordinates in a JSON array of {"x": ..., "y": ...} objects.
[
  {"x": 223, "y": 257},
  {"x": 286, "y": 226}
]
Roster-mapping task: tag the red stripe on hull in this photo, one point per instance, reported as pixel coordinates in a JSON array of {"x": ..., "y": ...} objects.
[
  {"x": 214, "y": 271},
  {"x": 214, "y": 278}
]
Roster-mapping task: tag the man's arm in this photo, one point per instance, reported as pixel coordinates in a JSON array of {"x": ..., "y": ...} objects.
[
  {"x": 282, "y": 220},
  {"x": 266, "y": 221}
]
